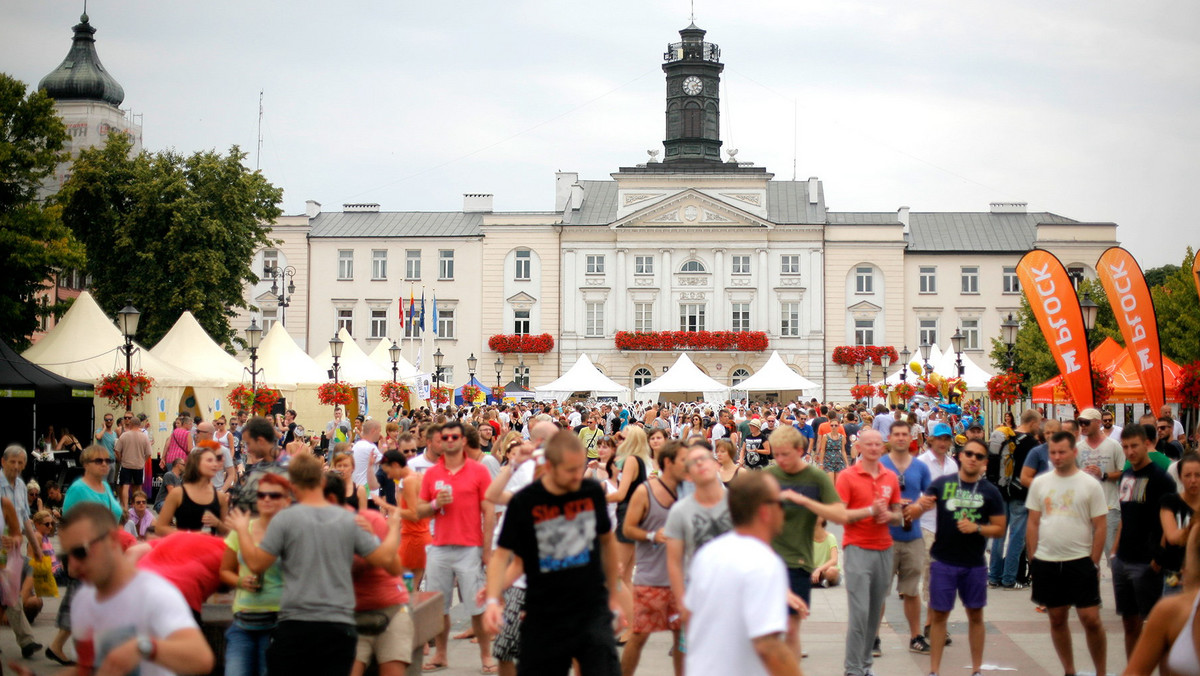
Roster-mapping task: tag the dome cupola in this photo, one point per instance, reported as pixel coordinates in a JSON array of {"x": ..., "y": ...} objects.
[{"x": 81, "y": 76}]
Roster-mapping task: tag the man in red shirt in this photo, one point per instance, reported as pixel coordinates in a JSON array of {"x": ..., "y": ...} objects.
[
  {"x": 452, "y": 493},
  {"x": 867, "y": 546}
]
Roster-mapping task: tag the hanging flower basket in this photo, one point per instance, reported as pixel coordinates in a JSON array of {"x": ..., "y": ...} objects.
[
  {"x": 396, "y": 393},
  {"x": 441, "y": 395},
  {"x": 862, "y": 391},
  {"x": 717, "y": 341},
  {"x": 498, "y": 393},
  {"x": 522, "y": 343},
  {"x": 905, "y": 391},
  {"x": 849, "y": 355},
  {"x": 119, "y": 386},
  {"x": 1189, "y": 385},
  {"x": 1005, "y": 388},
  {"x": 471, "y": 393},
  {"x": 335, "y": 394},
  {"x": 257, "y": 402}
]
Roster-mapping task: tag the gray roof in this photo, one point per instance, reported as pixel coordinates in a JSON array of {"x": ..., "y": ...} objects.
[
  {"x": 976, "y": 231},
  {"x": 396, "y": 224},
  {"x": 863, "y": 218},
  {"x": 599, "y": 204},
  {"x": 787, "y": 203}
]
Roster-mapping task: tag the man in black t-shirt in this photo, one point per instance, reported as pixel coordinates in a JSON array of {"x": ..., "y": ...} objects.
[
  {"x": 756, "y": 453},
  {"x": 557, "y": 531}
]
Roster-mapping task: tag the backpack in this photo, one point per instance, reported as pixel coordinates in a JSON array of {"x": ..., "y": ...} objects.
[
  {"x": 1010, "y": 471},
  {"x": 1001, "y": 447}
]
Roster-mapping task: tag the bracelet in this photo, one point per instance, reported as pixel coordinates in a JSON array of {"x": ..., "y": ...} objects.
[{"x": 492, "y": 602}]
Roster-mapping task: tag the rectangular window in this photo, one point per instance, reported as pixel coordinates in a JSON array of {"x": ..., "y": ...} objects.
[
  {"x": 445, "y": 320},
  {"x": 521, "y": 322},
  {"x": 643, "y": 265},
  {"x": 270, "y": 260},
  {"x": 379, "y": 264},
  {"x": 970, "y": 279},
  {"x": 790, "y": 319},
  {"x": 970, "y": 331},
  {"x": 595, "y": 264},
  {"x": 345, "y": 264},
  {"x": 864, "y": 280},
  {"x": 269, "y": 317},
  {"x": 445, "y": 264},
  {"x": 643, "y": 317},
  {"x": 1011, "y": 283},
  {"x": 864, "y": 331},
  {"x": 378, "y": 324},
  {"x": 691, "y": 317},
  {"x": 789, "y": 264},
  {"x": 928, "y": 333},
  {"x": 523, "y": 265},
  {"x": 345, "y": 320},
  {"x": 928, "y": 279},
  {"x": 412, "y": 264},
  {"x": 594, "y": 319},
  {"x": 741, "y": 265},
  {"x": 740, "y": 317},
  {"x": 412, "y": 329}
]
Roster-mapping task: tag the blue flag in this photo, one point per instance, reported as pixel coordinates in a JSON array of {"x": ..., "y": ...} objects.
[
  {"x": 435, "y": 316},
  {"x": 422, "y": 311},
  {"x": 412, "y": 311}
]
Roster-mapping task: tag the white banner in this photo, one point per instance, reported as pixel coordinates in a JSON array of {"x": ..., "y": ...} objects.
[{"x": 424, "y": 386}]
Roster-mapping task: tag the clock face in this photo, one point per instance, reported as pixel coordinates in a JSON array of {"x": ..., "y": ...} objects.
[{"x": 692, "y": 85}]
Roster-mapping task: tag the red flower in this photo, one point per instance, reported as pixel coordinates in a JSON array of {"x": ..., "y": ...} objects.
[
  {"x": 521, "y": 343},
  {"x": 1005, "y": 388},
  {"x": 1189, "y": 385},
  {"x": 441, "y": 395},
  {"x": 862, "y": 391},
  {"x": 742, "y": 341},
  {"x": 335, "y": 394},
  {"x": 397, "y": 393},
  {"x": 257, "y": 402},
  {"x": 849, "y": 355},
  {"x": 905, "y": 391},
  {"x": 116, "y": 387},
  {"x": 471, "y": 392}
]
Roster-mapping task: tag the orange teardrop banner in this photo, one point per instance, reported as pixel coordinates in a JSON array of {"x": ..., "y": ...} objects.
[
  {"x": 1131, "y": 302},
  {"x": 1056, "y": 306}
]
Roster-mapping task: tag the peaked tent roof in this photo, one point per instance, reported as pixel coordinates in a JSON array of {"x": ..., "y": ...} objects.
[
  {"x": 284, "y": 364},
  {"x": 583, "y": 376},
  {"x": 187, "y": 345},
  {"x": 354, "y": 366},
  {"x": 685, "y": 377},
  {"x": 975, "y": 376},
  {"x": 18, "y": 373},
  {"x": 86, "y": 345},
  {"x": 775, "y": 376},
  {"x": 404, "y": 369}
]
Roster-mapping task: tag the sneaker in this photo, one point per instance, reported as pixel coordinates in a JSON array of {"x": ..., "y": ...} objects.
[
  {"x": 30, "y": 649},
  {"x": 1016, "y": 586},
  {"x": 877, "y": 648},
  {"x": 918, "y": 645},
  {"x": 992, "y": 584},
  {"x": 925, "y": 633}
]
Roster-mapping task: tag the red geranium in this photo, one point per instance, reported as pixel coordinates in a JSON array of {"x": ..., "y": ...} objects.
[
  {"x": 471, "y": 392},
  {"x": 1189, "y": 385},
  {"x": 119, "y": 386},
  {"x": 849, "y": 355},
  {"x": 721, "y": 341},
  {"x": 335, "y": 394},
  {"x": 1005, "y": 388},
  {"x": 862, "y": 391},
  {"x": 1102, "y": 387},
  {"x": 397, "y": 393},
  {"x": 441, "y": 395},
  {"x": 257, "y": 402},
  {"x": 519, "y": 342},
  {"x": 905, "y": 391}
]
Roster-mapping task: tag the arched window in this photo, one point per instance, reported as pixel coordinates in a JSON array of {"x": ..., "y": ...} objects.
[
  {"x": 738, "y": 376},
  {"x": 692, "y": 125},
  {"x": 642, "y": 377},
  {"x": 693, "y": 266}
]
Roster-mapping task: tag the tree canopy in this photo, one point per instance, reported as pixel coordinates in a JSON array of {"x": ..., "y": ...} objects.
[
  {"x": 169, "y": 232},
  {"x": 1178, "y": 311},
  {"x": 34, "y": 243}
]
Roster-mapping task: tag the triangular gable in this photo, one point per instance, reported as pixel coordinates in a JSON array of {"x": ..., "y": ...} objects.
[
  {"x": 691, "y": 209},
  {"x": 521, "y": 301}
]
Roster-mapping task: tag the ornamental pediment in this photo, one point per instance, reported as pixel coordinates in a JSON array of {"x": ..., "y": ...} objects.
[
  {"x": 864, "y": 310},
  {"x": 691, "y": 209},
  {"x": 522, "y": 301}
]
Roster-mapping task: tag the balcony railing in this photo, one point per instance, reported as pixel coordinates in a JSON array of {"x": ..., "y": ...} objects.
[{"x": 692, "y": 51}]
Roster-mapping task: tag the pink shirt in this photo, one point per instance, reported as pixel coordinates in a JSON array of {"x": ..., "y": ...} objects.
[
  {"x": 177, "y": 446},
  {"x": 374, "y": 587},
  {"x": 461, "y": 521}
]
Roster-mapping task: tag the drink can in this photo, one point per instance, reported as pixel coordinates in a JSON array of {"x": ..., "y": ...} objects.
[{"x": 408, "y": 582}]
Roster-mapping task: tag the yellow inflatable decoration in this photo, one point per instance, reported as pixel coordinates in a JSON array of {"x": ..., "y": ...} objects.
[{"x": 915, "y": 367}]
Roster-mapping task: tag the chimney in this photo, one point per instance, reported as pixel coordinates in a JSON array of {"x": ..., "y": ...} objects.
[
  {"x": 814, "y": 186},
  {"x": 312, "y": 208},
  {"x": 576, "y": 200},
  {"x": 361, "y": 207},
  {"x": 563, "y": 180},
  {"x": 902, "y": 216},
  {"x": 474, "y": 203},
  {"x": 1009, "y": 207}
]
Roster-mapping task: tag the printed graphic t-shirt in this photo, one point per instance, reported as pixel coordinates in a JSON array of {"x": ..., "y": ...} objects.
[
  {"x": 558, "y": 539},
  {"x": 957, "y": 499}
]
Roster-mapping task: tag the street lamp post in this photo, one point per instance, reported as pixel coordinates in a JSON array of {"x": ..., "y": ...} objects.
[
  {"x": 1008, "y": 333},
  {"x": 858, "y": 368},
  {"x": 335, "y": 348},
  {"x": 1089, "y": 309},
  {"x": 499, "y": 364},
  {"x": 956, "y": 341},
  {"x": 867, "y": 381},
  {"x": 924, "y": 348},
  {"x": 437, "y": 367},
  {"x": 277, "y": 274},
  {"x": 520, "y": 372},
  {"x": 885, "y": 360},
  {"x": 394, "y": 355},
  {"x": 253, "y": 340},
  {"x": 127, "y": 318},
  {"x": 904, "y": 355},
  {"x": 472, "y": 362}
]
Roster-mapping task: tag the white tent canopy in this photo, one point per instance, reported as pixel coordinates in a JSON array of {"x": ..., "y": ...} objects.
[
  {"x": 775, "y": 376},
  {"x": 380, "y": 356},
  {"x": 284, "y": 364},
  {"x": 685, "y": 378},
  {"x": 935, "y": 358},
  {"x": 582, "y": 377},
  {"x": 975, "y": 376},
  {"x": 354, "y": 366},
  {"x": 188, "y": 346}
]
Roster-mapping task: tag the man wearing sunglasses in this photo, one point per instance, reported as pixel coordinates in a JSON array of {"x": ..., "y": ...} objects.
[
  {"x": 114, "y": 627},
  {"x": 1101, "y": 458}
]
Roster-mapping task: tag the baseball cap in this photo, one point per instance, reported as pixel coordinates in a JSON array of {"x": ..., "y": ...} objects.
[
  {"x": 942, "y": 430},
  {"x": 975, "y": 426},
  {"x": 1090, "y": 414}
]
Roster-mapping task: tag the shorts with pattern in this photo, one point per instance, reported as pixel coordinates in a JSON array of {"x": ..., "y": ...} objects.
[
  {"x": 395, "y": 644},
  {"x": 507, "y": 646},
  {"x": 654, "y": 609}
]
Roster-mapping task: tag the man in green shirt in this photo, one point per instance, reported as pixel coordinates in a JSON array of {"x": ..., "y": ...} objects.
[{"x": 811, "y": 494}]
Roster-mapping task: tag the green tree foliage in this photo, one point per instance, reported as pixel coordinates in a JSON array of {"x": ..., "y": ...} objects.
[
  {"x": 1158, "y": 276},
  {"x": 34, "y": 244},
  {"x": 169, "y": 232},
  {"x": 1178, "y": 311},
  {"x": 1031, "y": 354}
]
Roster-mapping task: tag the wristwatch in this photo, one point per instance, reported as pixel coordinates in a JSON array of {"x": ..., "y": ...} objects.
[
  {"x": 146, "y": 647},
  {"x": 978, "y": 528}
]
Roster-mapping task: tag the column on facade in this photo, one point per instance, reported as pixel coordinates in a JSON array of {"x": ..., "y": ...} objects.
[
  {"x": 666, "y": 312},
  {"x": 620, "y": 307},
  {"x": 720, "y": 309},
  {"x": 763, "y": 317},
  {"x": 570, "y": 292}
]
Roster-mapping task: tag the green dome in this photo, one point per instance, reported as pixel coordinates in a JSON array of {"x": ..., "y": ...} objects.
[{"x": 81, "y": 76}]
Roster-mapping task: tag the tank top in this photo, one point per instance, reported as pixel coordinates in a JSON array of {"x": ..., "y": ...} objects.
[
  {"x": 412, "y": 529},
  {"x": 1183, "y": 659},
  {"x": 651, "y": 570},
  {"x": 189, "y": 514},
  {"x": 637, "y": 481}
]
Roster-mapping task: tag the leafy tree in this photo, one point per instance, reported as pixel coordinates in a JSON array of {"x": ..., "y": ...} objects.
[
  {"x": 1031, "y": 354},
  {"x": 1175, "y": 304},
  {"x": 34, "y": 244},
  {"x": 169, "y": 232},
  {"x": 1158, "y": 276}
]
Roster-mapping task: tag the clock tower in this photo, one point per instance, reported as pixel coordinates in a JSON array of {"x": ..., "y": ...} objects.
[{"x": 693, "y": 69}]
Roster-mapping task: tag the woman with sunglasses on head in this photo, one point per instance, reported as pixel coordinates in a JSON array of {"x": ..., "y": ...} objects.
[
  {"x": 256, "y": 601},
  {"x": 197, "y": 506}
]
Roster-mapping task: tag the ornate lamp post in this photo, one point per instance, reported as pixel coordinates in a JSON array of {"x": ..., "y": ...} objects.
[
  {"x": 885, "y": 360},
  {"x": 253, "y": 340},
  {"x": 521, "y": 372},
  {"x": 472, "y": 362},
  {"x": 394, "y": 355},
  {"x": 499, "y": 364},
  {"x": 127, "y": 320},
  {"x": 956, "y": 341},
  {"x": 437, "y": 367},
  {"x": 1089, "y": 309},
  {"x": 1008, "y": 333},
  {"x": 335, "y": 348},
  {"x": 858, "y": 369},
  {"x": 904, "y": 355},
  {"x": 277, "y": 274},
  {"x": 924, "y": 348},
  {"x": 867, "y": 381}
]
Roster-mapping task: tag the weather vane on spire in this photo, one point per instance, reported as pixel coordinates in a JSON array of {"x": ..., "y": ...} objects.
[{"x": 693, "y": 9}]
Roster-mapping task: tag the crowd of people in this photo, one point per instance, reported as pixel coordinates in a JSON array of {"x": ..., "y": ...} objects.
[{"x": 572, "y": 533}]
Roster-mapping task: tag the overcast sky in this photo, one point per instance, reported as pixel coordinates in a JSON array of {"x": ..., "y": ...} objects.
[{"x": 1088, "y": 109}]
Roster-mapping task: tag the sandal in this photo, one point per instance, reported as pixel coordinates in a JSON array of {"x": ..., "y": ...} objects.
[{"x": 432, "y": 667}]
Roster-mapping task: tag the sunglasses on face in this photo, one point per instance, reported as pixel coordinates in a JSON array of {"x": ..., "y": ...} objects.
[
  {"x": 100, "y": 461},
  {"x": 1163, "y": 427},
  {"x": 139, "y": 502},
  {"x": 972, "y": 454},
  {"x": 81, "y": 552},
  {"x": 451, "y": 437},
  {"x": 108, "y": 420},
  {"x": 269, "y": 496}
]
